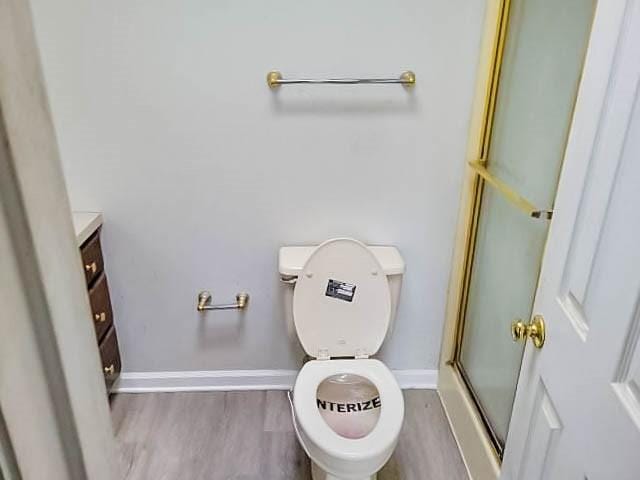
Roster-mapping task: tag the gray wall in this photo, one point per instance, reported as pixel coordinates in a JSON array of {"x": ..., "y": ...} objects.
[{"x": 165, "y": 125}]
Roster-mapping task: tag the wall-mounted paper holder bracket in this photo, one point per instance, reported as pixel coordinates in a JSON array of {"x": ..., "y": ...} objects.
[{"x": 205, "y": 298}]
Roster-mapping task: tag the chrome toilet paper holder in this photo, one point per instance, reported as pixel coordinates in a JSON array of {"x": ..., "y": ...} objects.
[{"x": 205, "y": 298}]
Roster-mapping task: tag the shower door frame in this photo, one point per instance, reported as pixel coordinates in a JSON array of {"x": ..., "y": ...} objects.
[{"x": 468, "y": 422}]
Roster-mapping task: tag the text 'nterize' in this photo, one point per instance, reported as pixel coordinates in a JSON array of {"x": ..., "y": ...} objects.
[{"x": 349, "y": 407}]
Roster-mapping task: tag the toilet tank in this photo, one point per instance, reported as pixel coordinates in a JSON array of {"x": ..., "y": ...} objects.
[{"x": 291, "y": 260}]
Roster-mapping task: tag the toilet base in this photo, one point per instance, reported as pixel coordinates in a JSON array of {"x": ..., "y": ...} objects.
[{"x": 318, "y": 474}]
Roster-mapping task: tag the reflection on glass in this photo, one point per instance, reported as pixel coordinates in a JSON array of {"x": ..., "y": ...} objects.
[{"x": 542, "y": 62}]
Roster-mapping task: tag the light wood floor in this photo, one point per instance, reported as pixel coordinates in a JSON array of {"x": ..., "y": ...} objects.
[{"x": 249, "y": 436}]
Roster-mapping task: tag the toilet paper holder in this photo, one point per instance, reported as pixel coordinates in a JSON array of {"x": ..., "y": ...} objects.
[{"x": 205, "y": 298}]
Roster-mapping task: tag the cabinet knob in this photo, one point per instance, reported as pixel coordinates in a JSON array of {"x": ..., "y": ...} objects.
[
  {"x": 100, "y": 317},
  {"x": 91, "y": 267},
  {"x": 110, "y": 370}
]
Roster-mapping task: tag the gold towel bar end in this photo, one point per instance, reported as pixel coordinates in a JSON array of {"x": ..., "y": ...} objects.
[
  {"x": 408, "y": 78},
  {"x": 273, "y": 77}
]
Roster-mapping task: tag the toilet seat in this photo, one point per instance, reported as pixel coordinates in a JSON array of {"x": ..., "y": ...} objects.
[{"x": 330, "y": 450}]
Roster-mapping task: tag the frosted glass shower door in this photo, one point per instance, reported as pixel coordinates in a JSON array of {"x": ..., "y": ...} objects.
[{"x": 541, "y": 65}]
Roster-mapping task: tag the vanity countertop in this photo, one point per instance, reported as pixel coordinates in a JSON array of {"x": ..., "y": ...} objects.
[{"x": 85, "y": 223}]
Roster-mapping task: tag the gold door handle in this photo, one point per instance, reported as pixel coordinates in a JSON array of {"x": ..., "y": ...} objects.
[
  {"x": 535, "y": 330},
  {"x": 100, "y": 317},
  {"x": 110, "y": 370},
  {"x": 91, "y": 267}
]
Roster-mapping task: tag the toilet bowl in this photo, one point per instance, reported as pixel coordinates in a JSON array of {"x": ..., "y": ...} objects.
[
  {"x": 343, "y": 307},
  {"x": 333, "y": 454}
]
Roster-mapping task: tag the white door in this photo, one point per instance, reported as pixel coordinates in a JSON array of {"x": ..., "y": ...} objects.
[
  {"x": 54, "y": 414},
  {"x": 577, "y": 408}
]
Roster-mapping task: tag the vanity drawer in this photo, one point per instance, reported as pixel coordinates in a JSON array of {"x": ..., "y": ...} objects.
[
  {"x": 110, "y": 356},
  {"x": 92, "y": 258},
  {"x": 101, "y": 312}
]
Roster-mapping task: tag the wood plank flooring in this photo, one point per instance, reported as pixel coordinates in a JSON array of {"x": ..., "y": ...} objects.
[{"x": 249, "y": 436}]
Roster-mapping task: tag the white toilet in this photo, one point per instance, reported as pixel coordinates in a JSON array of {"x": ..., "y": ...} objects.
[{"x": 344, "y": 303}]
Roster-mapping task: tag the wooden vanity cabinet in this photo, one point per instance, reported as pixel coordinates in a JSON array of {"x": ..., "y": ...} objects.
[{"x": 101, "y": 311}]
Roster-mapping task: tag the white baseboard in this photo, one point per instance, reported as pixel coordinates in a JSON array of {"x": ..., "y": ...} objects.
[
  {"x": 229, "y": 380},
  {"x": 419, "y": 379},
  {"x": 201, "y": 381}
]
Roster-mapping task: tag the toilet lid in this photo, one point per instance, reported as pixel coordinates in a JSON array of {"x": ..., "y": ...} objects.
[{"x": 341, "y": 302}]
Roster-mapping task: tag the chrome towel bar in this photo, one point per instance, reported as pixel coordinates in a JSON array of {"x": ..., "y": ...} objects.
[{"x": 275, "y": 79}]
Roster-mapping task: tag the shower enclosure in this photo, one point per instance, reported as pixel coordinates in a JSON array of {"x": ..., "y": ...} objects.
[{"x": 536, "y": 68}]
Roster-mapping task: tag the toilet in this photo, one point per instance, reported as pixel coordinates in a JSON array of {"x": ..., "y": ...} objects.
[{"x": 347, "y": 407}]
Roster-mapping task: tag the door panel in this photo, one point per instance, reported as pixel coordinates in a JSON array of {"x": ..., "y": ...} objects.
[
  {"x": 626, "y": 382},
  {"x": 578, "y": 267},
  {"x": 543, "y": 434}
]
